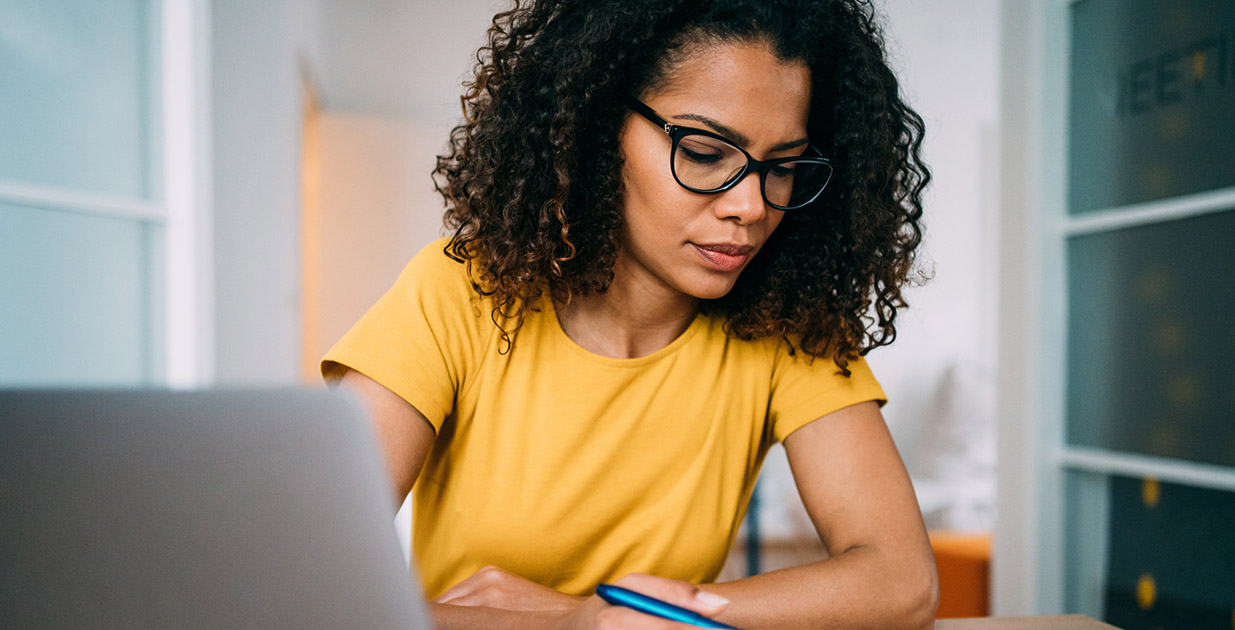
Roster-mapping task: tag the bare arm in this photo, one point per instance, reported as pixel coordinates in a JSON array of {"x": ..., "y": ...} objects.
[
  {"x": 495, "y": 591},
  {"x": 404, "y": 434},
  {"x": 881, "y": 571}
]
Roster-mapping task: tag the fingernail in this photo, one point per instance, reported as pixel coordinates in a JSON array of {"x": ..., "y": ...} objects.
[{"x": 711, "y": 599}]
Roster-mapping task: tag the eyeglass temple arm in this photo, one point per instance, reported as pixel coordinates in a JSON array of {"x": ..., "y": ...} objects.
[{"x": 649, "y": 113}]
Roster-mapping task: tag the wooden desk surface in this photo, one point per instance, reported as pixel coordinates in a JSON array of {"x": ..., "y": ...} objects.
[{"x": 1061, "y": 622}]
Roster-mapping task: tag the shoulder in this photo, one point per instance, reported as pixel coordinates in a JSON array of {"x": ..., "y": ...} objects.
[
  {"x": 432, "y": 301},
  {"x": 807, "y": 387},
  {"x": 791, "y": 359},
  {"x": 432, "y": 263},
  {"x": 434, "y": 278},
  {"x": 423, "y": 337}
]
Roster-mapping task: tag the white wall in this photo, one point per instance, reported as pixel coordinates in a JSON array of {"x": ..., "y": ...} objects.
[
  {"x": 400, "y": 58},
  {"x": 399, "y": 63},
  {"x": 256, "y": 192},
  {"x": 377, "y": 207},
  {"x": 940, "y": 372}
]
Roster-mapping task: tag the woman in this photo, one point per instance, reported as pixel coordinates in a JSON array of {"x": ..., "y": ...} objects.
[{"x": 676, "y": 228}]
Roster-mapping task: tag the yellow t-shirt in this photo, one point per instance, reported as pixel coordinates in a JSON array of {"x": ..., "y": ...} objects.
[{"x": 571, "y": 468}]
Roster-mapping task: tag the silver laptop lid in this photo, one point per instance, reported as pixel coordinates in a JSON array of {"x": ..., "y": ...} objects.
[{"x": 212, "y": 509}]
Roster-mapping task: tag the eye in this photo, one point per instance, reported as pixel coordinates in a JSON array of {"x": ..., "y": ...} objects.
[
  {"x": 700, "y": 157},
  {"x": 783, "y": 170},
  {"x": 702, "y": 150}
]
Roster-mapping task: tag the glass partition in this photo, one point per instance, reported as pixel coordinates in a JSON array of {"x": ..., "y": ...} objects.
[
  {"x": 81, "y": 210},
  {"x": 1152, "y": 96},
  {"x": 1151, "y": 339},
  {"x": 76, "y": 106},
  {"x": 79, "y": 302}
]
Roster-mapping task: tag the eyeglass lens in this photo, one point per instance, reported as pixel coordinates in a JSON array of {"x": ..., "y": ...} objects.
[{"x": 707, "y": 164}]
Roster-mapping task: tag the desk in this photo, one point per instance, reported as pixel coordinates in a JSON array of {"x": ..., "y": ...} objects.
[{"x": 1061, "y": 622}]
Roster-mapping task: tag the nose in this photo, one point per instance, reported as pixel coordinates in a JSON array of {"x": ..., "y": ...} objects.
[{"x": 743, "y": 202}]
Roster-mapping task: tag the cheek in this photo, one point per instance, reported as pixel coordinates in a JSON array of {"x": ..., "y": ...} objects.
[
  {"x": 656, "y": 209},
  {"x": 648, "y": 176},
  {"x": 774, "y": 219},
  {"x": 652, "y": 197}
]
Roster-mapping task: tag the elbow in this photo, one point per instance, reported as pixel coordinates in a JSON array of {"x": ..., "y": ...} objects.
[
  {"x": 920, "y": 600},
  {"x": 910, "y": 595}
]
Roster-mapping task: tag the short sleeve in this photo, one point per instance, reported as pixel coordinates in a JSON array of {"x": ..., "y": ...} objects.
[
  {"x": 421, "y": 339},
  {"x": 805, "y": 389}
]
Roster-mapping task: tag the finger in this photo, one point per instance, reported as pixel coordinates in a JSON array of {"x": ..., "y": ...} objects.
[
  {"x": 675, "y": 592},
  {"x": 478, "y": 600},
  {"x": 468, "y": 586},
  {"x": 454, "y": 593}
]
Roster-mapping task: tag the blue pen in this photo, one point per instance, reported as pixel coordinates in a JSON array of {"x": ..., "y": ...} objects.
[{"x": 619, "y": 596}]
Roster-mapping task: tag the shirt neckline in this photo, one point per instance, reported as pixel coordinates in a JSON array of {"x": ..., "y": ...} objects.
[{"x": 550, "y": 311}]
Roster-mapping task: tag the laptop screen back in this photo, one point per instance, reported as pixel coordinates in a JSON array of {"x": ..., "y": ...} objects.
[{"x": 211, "y": 509}]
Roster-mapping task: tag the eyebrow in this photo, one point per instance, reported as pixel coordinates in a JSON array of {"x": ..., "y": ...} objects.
[{"x": 741, "y": 139}]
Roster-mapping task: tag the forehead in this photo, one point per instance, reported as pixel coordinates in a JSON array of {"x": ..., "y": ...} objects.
[{"x": 744, "y": 85}]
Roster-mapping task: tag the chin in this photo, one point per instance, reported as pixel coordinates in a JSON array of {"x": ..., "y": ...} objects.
[{"x": 710, "y": 290}]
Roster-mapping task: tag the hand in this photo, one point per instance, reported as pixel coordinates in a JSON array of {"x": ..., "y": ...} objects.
[
  {"x": 494, "y": 587},
  {"x": 595, "y": 613},
  {"x": 492, "y": 590}
]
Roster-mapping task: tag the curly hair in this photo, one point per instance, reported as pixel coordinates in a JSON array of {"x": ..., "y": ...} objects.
[{"x": 532, "y": 178}]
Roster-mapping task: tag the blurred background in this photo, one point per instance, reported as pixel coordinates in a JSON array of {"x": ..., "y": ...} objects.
[{"x": 200, "y": 193}]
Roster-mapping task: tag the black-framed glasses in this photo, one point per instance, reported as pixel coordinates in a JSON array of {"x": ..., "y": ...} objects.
[{"x": 707, "y": 162}]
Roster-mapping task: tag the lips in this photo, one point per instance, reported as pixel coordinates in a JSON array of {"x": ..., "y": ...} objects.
[{"x": 724, "y": 256}]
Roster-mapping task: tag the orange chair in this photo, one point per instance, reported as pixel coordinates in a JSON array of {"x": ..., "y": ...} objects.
[{"x": 964, "y": 562}]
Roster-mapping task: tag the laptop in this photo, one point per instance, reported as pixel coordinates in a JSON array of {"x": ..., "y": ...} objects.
[{"x": 205, "y": 509}]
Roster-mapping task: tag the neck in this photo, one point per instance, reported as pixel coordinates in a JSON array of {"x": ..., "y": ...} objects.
[{"x": 631, "y": 319}]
